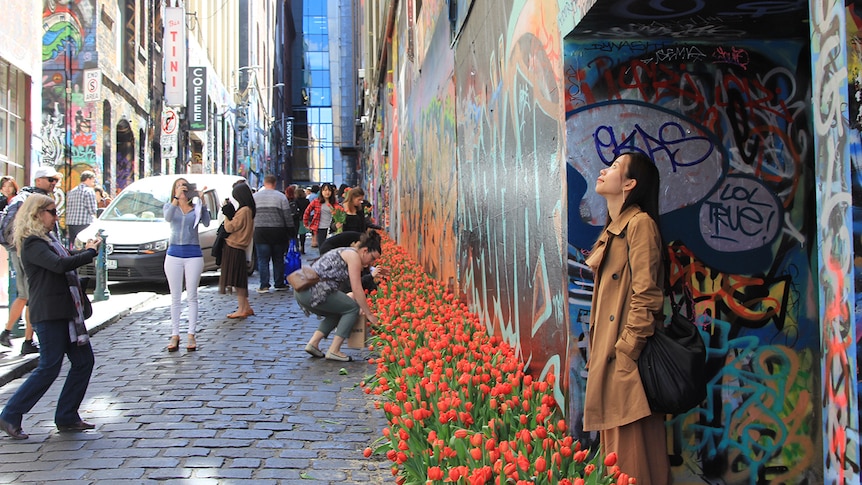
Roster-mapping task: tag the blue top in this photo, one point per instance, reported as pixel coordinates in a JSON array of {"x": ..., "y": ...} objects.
[{"x": 184, "y": 230}]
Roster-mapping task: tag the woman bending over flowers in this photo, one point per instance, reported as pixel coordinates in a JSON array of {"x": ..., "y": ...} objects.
[{"x": 339, "y": 310}]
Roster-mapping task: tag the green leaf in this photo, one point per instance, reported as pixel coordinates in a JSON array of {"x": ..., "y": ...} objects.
[
  {"x": 342, "y": 371},
  {"x": 306, "y": 476},
  {"x": 327, "y": 381}
]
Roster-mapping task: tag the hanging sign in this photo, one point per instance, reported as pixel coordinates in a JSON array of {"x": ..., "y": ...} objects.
[
  {"x": 197, "y": 101},
  {"x": 174, "y": 45}
]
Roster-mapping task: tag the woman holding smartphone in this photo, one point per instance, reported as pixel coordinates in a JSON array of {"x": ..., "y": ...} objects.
[
  {"x": 57, "y": 309},
  {"x": 184, "y": 257}
]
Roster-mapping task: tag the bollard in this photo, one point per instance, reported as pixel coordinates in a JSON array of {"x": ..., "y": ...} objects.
[
  {"x": 18, "y": 327},
  {"x": 101, "y": 292}
]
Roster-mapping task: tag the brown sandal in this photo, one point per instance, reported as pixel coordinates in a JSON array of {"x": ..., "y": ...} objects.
[
  {"x": 192, "y": 345},
  {"x": 175, "y": 344}
]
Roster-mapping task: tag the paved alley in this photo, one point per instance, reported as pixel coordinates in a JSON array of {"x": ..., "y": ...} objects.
[{"x": 250, "y": 406}]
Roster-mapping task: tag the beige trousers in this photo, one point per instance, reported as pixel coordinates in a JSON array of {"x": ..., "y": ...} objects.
[{"x": 642, "y": 449}]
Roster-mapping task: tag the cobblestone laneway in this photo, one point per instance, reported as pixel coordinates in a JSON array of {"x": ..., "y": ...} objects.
[{"x": 250, "y": 406}]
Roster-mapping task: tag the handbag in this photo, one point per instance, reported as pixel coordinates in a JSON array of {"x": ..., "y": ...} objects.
[
  {"x": 218, "y": 244},
  {"x": 672, "y": 363},
  {"x": 292, "y": 260},
  {"x": 303, "y": 278},
  {"x": 85, "y": 300},
  {"x": 88, "y": 306}
]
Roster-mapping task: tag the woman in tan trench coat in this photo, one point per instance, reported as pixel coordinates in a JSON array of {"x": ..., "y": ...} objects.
[{"x": 627, "y": 305}]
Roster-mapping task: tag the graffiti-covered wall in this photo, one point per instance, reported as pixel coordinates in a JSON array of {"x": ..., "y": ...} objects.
[
  {"x": 728, "y": 125},
  {"x": 427, "y": 164},
  {"x": 477, "y": 183},
  {"x": 68, "y": 51},
  {"x": 510, "y": 177},
  {"x": 744, "y": 109}
]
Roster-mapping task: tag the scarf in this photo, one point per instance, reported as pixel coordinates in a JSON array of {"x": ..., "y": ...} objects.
[{"x": 77, "y": 330}]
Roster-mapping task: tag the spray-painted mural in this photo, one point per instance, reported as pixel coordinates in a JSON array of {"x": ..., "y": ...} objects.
[
  {"x": 510, "y": 137},
  {"x": 755, "y": 205},
  {"x": 68, "y": 49},
  {"x": 728, "y": 126},
  {"x": 854, "y": 74},
  {"x": 427, "y": 167}
]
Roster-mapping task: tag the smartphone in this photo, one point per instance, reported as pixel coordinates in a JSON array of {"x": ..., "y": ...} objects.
[{"x": 190, "y": 187}]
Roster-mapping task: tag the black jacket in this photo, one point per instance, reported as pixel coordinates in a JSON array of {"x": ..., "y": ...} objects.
[{"x": 50, "y": 298}]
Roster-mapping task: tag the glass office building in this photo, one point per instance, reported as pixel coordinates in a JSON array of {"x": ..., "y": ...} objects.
[
  {"x": 323, "y": 92},
  {"x": 318, "y": 90}
]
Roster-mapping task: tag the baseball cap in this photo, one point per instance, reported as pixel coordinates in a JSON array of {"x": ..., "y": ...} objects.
[{"x": 46, "y": 171}]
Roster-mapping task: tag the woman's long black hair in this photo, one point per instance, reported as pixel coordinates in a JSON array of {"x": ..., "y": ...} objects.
[
  {"x": 646, "y": 191},
  {"x": 332, "y": 197},
  {"x": 242, "y": 194}
]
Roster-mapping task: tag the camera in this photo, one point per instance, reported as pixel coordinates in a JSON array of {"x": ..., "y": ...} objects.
[{"x": 192, "y": 188}]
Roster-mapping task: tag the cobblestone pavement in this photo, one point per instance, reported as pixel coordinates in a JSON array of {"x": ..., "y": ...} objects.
[{"x": 250, "y": 406}]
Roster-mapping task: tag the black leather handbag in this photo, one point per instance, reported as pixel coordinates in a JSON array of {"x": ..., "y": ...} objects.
[
  {"x": 672, "y": 363},
  {"x": 218, "y": 244},
  {"x": 85, "y": 300}
]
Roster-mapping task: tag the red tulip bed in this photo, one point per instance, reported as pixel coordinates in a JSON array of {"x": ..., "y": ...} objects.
[{"x": 459, "y": 405}]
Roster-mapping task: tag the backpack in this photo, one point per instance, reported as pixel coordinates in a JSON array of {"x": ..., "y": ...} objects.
[{"x": 7, "y": 218}]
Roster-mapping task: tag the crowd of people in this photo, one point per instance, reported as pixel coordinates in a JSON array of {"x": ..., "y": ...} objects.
[
  {"x": 263, "y": 222},
  {"x": 626, "y": 261}
]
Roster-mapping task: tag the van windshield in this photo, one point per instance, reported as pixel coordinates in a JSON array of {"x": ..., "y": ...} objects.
[{"x": 132, "y": 204}]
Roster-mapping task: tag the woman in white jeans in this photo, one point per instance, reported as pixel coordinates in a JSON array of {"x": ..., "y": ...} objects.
[{"x": 184, "y": 257}]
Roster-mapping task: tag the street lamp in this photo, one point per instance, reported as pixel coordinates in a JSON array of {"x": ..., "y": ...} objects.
[{"x": 239, "y": 70}]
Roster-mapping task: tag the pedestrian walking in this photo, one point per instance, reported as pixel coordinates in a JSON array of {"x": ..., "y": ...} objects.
[
  {"x": 627, "y": 301},
  {"x": 234, "y": 269},
  {"x": 184, "y": 259},
  {"x": 301, "y": 204},
  {"x": 81, "y": 206},
  {"x": 8, "y": 189},
  {"x": 339, "y": 310},
  {"x": 318, "y": 215},
  {"x": 274, "y": 227},
  {"x": 102, "y": 197},
  {"x": 45, "y": 179},
  {"x": 57, "y": 307}
]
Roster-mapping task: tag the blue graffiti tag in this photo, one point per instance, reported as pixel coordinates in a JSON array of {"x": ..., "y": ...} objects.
[{"x": 670, "y": 139}]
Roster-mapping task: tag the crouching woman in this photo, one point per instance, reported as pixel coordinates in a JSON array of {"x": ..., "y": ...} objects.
[{"x": 339, "y": 310}]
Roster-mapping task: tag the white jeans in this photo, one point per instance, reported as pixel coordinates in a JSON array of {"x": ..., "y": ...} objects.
[{"x": 175, "y": 268}]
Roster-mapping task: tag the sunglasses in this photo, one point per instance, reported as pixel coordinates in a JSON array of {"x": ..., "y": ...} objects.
[
  {"x": 53, "y": 180},
  {"x": 53, "y": 211}
]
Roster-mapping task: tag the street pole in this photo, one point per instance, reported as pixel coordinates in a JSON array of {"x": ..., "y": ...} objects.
[{"x": 101, "y": 292}]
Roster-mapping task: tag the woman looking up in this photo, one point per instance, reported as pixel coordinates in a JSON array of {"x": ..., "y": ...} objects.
[{"x": 626, "y": 307}]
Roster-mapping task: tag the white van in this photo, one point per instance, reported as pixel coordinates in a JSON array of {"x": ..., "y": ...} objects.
[{"x": 137, "y": 233}]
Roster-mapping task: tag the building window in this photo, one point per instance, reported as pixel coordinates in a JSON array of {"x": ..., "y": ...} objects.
[
  {"x": 127, "y": 38},
  {"x": 13, "y": 115}
]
